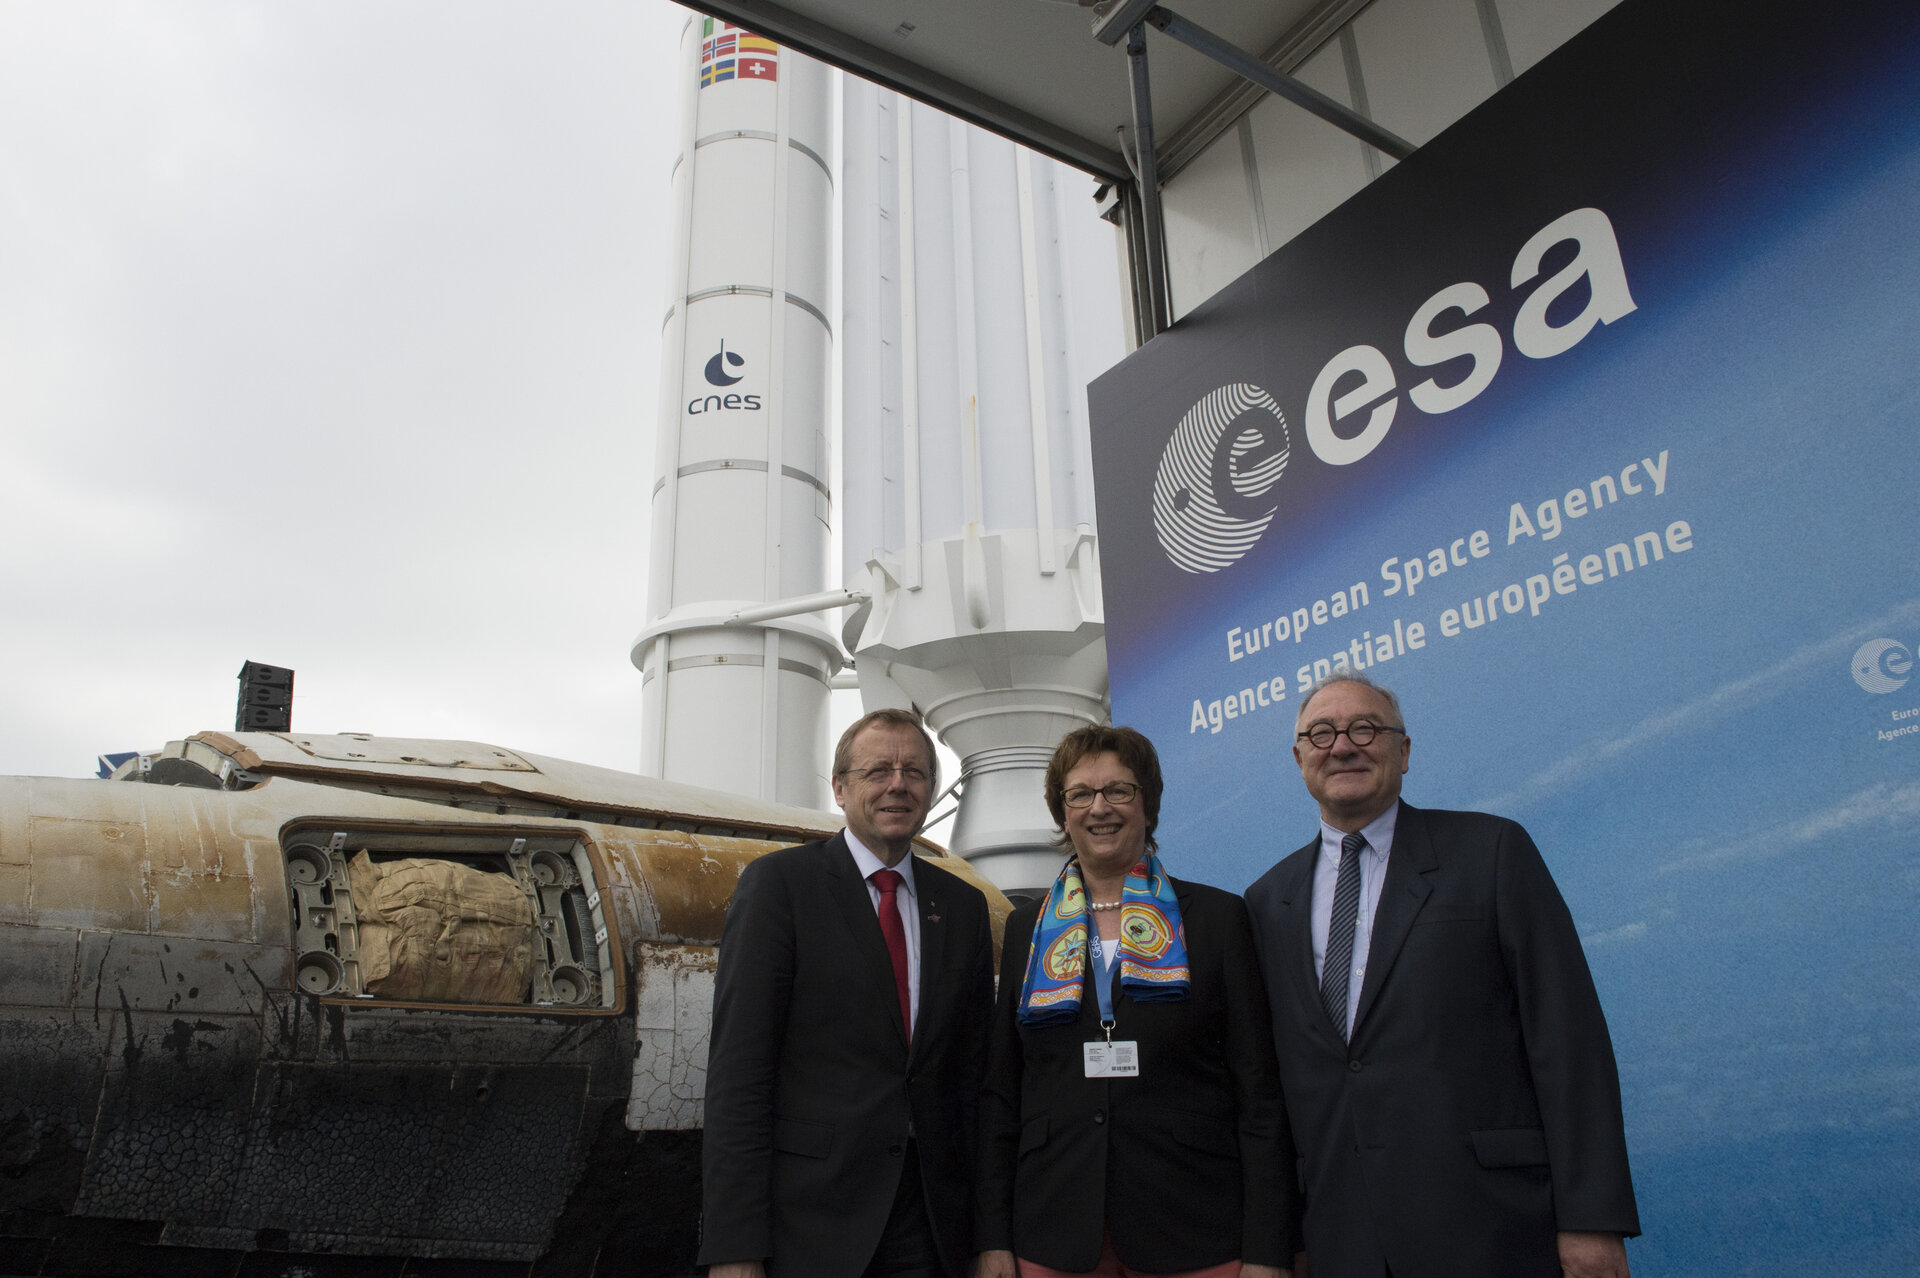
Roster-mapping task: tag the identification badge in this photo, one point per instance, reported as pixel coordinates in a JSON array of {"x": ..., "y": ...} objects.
[{"x": 1112, "y": 1060}]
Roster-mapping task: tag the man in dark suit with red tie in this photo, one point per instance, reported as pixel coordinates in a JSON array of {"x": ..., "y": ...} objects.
[
  {"x": 849, "y": 1037},
  {"x": 1445, "y": 1063}
]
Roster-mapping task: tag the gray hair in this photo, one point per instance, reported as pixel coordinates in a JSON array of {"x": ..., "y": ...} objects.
[
  {"x": 893, "y": 717},
  {"x": 1350, "y": 676}
]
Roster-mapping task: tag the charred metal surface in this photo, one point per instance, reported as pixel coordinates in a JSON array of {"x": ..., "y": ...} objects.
[
  {"x": 172, "y": 1104},
  {"x": 473, "y": 1161},
  {"x": 637, "y": 1210},
  {"x": 54, "y": 1068},
  {"x": 172, "y": 1117}
]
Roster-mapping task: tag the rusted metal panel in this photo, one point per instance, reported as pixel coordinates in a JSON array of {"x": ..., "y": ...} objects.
[
  {"x": 15, "y": 807},
  {"x": 90, "y": 872},
  {"x": 16, "y": 894},
  {"x": 128, "y": 858},
  {"x": 690, "y": 879}
]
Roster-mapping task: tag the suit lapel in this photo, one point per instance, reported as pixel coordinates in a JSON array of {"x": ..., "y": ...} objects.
[
  {"x": 849, "y": 893},
  {"x": 1295, "y": 895},
  {"x": 928, "y": 883},
  {"x": 1405, "y": 891}
]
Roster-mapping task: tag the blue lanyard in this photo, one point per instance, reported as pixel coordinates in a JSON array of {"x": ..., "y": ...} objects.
[{"x": 1102, "y": 979}]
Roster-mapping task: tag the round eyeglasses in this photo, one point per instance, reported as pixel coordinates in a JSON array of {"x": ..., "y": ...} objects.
[
  {"x": 1361, "y": 732},
  {"x": 1116, "y": 793}
]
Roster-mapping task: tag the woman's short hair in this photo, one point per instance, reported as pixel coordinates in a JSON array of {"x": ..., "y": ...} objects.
[{"x": 1130, "y": 747}]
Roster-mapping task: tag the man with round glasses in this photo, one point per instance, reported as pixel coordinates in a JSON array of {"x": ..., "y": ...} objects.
[
  {"x": 1446, "y": 1066},
  {"x": 849, "y": 1037}
]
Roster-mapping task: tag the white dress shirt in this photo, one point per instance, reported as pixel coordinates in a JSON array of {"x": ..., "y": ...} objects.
[
  {"x": 1373, "y": 873},
  {"x": 904, "y": 899}
]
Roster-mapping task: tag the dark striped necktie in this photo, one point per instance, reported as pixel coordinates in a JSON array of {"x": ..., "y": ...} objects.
[{"x": 1337, "y": 970}]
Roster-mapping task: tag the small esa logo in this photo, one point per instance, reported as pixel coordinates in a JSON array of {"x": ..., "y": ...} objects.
[{"x": 1882, "y": 665}]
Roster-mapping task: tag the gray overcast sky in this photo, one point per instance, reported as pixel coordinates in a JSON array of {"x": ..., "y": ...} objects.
[{"x": 329, "y": 334}]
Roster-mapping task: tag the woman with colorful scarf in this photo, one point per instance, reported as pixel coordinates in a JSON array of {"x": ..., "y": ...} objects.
[{"x": 1131, "y": 1121}]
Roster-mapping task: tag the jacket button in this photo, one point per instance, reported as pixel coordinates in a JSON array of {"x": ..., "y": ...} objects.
[
  {"x": 1099, "y": 1116},
  {"x": 1354, "y": 1066},
  {"x": 896, "y": 1150}
]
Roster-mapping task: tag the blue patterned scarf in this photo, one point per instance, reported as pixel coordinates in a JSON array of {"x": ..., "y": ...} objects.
[{"x": 1153, "y": 944}]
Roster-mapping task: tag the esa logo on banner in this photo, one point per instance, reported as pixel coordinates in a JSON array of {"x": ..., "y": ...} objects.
[
  {"x": 1213, "y": 495},
  {"x": 1882, "y": 665},
  {"x": 1203, "y": 526}
]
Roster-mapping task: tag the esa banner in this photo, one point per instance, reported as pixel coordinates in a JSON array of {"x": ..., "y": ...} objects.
[{"x": 1593, "y": 430}]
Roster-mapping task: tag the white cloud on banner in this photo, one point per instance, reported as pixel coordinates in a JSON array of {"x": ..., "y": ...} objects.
[
  {"x": 1591, "y": 757},
  {"x": 1885, "y": 804}
]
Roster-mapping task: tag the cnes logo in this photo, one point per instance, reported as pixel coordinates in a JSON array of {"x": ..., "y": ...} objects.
[
  {"x": 717, "y": 375},
  {"x": 717, "y": 366},
  {"x": 1214, "y": 493}
]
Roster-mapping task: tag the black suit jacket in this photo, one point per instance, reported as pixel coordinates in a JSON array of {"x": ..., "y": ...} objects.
[
  {"x": 1188, "y": 1165},
  {"x": 1477, "y": 1111},
  {"x": 810, "y": 1081}
]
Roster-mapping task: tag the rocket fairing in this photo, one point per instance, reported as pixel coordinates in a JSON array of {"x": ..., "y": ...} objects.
[{"x": 742, "y": 497}]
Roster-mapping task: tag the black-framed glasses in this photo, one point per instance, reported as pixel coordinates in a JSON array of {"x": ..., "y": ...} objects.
[
  {"x": 1116, "y": 793},
  {"x": 1361, "y": 732},
  {"x": 885, "y": 773}
]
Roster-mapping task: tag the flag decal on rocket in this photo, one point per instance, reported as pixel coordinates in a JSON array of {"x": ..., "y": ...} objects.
[{"x": 728, "y": 53}]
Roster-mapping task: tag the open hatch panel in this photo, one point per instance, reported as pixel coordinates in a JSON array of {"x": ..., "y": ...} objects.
[{"x": 437, "y": 917}]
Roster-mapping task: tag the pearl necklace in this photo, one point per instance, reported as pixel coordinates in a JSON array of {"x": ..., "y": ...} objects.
[{"x": 1105, "y": 905}]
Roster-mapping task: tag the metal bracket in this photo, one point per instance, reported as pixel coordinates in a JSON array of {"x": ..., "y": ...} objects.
[
  {"x": 1204, "y": 42},
  {"x": 1122, "y": 17},
  {"x": 1147, "y": 180}
]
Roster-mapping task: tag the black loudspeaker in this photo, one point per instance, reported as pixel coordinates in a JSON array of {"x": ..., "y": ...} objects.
[{"x": 266, "y": 699}]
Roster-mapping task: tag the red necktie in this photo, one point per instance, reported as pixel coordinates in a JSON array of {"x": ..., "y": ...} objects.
[{"x": 888, "y": 881}]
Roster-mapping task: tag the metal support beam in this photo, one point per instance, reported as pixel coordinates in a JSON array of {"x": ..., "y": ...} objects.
[
  {"x": 797, "y": 606},
  {"x": 1206, "y": 43},
  {"x": 1148, "y": 181}
]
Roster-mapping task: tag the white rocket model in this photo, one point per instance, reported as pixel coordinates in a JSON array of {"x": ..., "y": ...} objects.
[
  {"x": 972, "y": 326},
  {"x": 742, "y": 494}
]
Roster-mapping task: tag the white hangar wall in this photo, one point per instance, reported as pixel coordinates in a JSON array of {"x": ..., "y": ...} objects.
[{"x": 1412, "y": 66}]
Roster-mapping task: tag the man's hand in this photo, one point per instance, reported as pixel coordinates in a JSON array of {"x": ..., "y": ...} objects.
[
  {"x": 1261, "y": 1271},
  {"x": 738, "y": 1269},
  {"x": 993, "y": 1264},
  {"x": 1593, "y": 1256}
]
